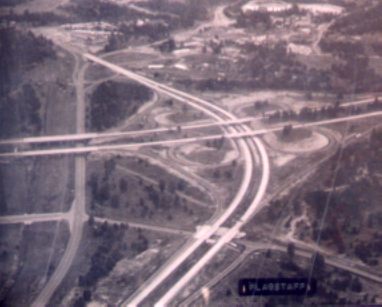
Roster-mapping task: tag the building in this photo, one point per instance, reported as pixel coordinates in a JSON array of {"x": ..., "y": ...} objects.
[{"x": 267, "y": 6}]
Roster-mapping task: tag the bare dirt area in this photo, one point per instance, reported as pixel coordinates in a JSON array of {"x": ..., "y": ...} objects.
[
  {"x": 39, "y": 252},
  {"x": 211, "y": 272}
]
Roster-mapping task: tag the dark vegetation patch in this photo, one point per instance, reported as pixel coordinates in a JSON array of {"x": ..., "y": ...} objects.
[
  {"x": 356, "y": 230},
  {"x": 10, "y": 238},
  {"x": 96, "y": 10},
  {"x": 356, "y": 175},
  {"x": 112, "y": 101},
  {"x": 20, "y": 51},
  {"x": 363, "y": 20},
  {"x": 34, "y": 251},
  {"x": 355, "y": 34},
  {"x": 268, "y": 67},
  {"x": 294, "y": 135},
  {"x": 165, "y": 17},
  {"x": 12, "y": 2},
  {"x": 326, "y": 112},
  {"x": 189, "y": 11},
  {"x": 104, "y": 245},
  {"x": 334, "y": 286},
  {"x": 273, "y": 67},
  {"x": 262, "y": 19},
  {"x": 116, "y": 193},
  {"x": 42, "y": 186}
]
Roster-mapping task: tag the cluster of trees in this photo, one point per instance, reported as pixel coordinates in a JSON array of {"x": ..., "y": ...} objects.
[
  {"x": 3, "y": 202},
  {"x": 377, "y": 47},
  {"x": 341, "y": 48},
  {"x": 11, "y": 2},
  {"x": 152, "y": 30},
  {"x": 19, "y": 52},
  {"x": 271, "y": 66},
  {"x": 168, "y": 16},
  {"x": 163, "y": 198},
  {"x": 356, "y": 74},
  {"x": 108, "y": 252},
  {"x": 107, "y": 192},
  {"x": 217, "y": 143},
  {"x": 365, "y": 251},
  {"x": 37, "y": 19},
  {"x": 112, "y": 246},
  {"x": 215, "y": 84},
  {"x": 254, "y": 19},
  {"x": 363, "y": 20},
  {"x": 260, "y": 104},
  {"x": 114, "y": 101},
  {"x": 356, "y": 201},
  {"x": 20, "y": 114},
  {"x": 328, "y": 112},
  {"x": 98, "y": 10},
  {"x": 329, "y": 284},
  {"x": 168, "y": 46},
  {"x": 188, "y": 11},
  {"x": 176, "y": 14}
]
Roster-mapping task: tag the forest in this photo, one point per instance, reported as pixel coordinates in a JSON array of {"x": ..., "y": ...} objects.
[
  {"x": 19, "y": 52},
  {"x": 113, "y": 101}
]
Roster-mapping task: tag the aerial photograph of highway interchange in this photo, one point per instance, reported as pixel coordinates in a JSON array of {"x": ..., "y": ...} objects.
[{"x": 157, "y": 152}]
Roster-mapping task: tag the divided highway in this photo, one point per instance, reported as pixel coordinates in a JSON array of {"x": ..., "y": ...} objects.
[
  {"x": 100, "y": 136},
  {"x": 242, "y": 137},
  {"x": 219, "y": 115},
  {"x": 232, "y": 135},
  {"x": 246, "y": 148}
]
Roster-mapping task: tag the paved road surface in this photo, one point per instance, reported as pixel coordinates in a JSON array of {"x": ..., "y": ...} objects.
[
  {"x": 213, "y": 111},
  {"x": 78, "y": 210},
  {"x": 33, "y": 218},
  {"x": 154, "y": 228},
  {"x": 80, "y": 217},
  {"x": 251, "y": 133},
  {"x": 99, "y": 136},
  {"x": 228, "y": 236}
]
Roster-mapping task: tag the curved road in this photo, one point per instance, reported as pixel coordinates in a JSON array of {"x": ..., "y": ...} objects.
[
  {"x": 78, "y": 210},
  {"x": 218, "y": 114}
]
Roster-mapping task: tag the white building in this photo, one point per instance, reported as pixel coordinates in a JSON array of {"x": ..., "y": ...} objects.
[{"x": 268, "y": 6}]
